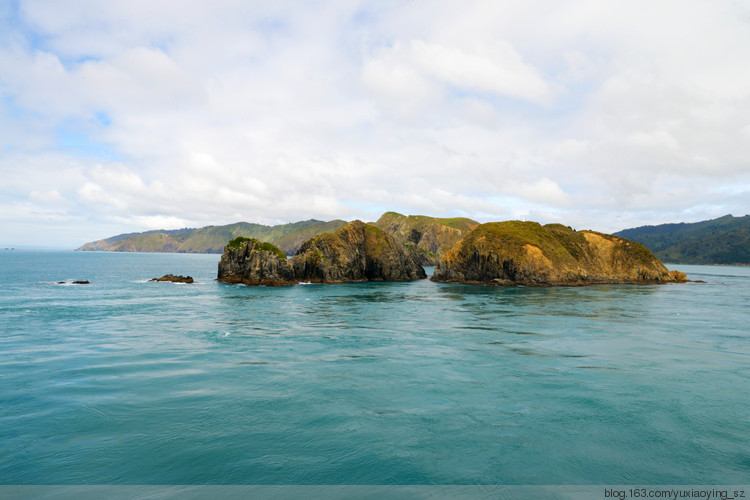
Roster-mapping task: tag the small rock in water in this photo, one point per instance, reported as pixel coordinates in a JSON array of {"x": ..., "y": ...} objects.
[
  {"x": 174, "y": 279},
  {"x": 81, "y": 282}
]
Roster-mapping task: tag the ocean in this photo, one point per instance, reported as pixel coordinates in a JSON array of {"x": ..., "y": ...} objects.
[{"x": 127, "y": 382}]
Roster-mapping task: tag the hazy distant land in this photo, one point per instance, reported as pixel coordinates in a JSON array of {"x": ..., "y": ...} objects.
[{"x": 725, "y": 240}]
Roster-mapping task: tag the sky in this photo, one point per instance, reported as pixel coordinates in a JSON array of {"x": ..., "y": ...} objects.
[{"x": 130, "y": 116}]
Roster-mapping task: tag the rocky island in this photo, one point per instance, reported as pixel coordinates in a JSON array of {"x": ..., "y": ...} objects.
[
  {"x": 527, "y": 253},
  {"x": 253, "y": 262},
  {"x": 355, "y": 252},
  {"x": 174, "y": 279},
  {"x": 427, "y": 237},
  {"x": 495, "y": 253}
]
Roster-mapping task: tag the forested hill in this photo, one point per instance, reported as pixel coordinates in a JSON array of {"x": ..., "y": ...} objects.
[
  {"x": 725, "y": 240},
  {"x": 211, "y": 239}
]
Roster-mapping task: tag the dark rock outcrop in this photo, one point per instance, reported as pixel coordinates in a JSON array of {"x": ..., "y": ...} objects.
[
  {"x": 356, "y": 252},
  {"x": 252, "y": 262},
  {"x": 174, "y": 279},
  {"x": 527, "y": 253}
]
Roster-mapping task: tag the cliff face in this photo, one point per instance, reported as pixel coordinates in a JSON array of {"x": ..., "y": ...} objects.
[
  {"x": 526, "y": 253},
  {"x": 249, "y": 261},
  {"x": 427, "y": 237},
  {"x": 355, "y": 252}
]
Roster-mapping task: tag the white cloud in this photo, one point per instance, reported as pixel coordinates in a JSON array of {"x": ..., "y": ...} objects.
[
  {"x": 51, "y": 197},
  {"x": 119, "y": 116},
  {"x": 419, "y": 69}
]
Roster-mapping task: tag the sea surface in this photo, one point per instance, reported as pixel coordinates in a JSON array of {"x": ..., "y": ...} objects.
[{"x": 123, "y": 381}]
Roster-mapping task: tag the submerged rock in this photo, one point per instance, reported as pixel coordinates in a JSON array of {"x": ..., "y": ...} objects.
[
  {"x": 527, "y": 253},
  {"x": 174, "y": 279},
  {"x": 355, "y": 252},
  {"x": 252, "y": 262}
]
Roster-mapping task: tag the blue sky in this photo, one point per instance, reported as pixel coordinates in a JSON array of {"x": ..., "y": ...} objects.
[{"x": 129, "y": 116}]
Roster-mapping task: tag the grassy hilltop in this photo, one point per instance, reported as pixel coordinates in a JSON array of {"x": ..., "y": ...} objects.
[
  {"x": 527, "y": 253},
  {"x": 428, "y": 237}
]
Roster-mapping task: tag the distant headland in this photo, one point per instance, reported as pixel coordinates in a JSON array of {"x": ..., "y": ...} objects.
[{"x": 725, "y": 240}]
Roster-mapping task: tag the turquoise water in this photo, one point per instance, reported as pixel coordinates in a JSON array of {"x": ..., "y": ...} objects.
[{"x": 128, "y": 382}]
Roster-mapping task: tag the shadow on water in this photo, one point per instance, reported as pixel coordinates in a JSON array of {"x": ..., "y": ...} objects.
[{"x": 586, "y": 301}]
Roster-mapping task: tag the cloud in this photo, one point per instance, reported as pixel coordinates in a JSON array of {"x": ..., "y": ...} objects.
[
  {"x": 118, "y": 116},
  {"x": 418, "y": 73},
  {"x": 52, "y": 197}
]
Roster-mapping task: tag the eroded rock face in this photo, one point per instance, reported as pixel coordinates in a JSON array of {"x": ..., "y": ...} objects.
[
  {"x": 356, "y": 252},
  {"x": 526, "y": 253},
  {"x": 428, "y": 238},
  {"x": 249, "y": 261}
]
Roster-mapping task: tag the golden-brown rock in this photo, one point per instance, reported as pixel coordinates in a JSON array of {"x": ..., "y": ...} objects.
[
  {"x": 427, "y": 237},
  {"x": 527, "y": 253}
]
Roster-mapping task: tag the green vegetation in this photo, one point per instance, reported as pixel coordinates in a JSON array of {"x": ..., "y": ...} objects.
[
  {"x": 240, "y": 242},
  {"x": 460, "y": 223},
  {"x": 573, "y": 241},
  {"x": 376, "y": 239},
  {"x": 725, "y": 240},
  {"x": 428, "y": 237},
  {"x": 557, "y": 241},
  {"x": 416, "y": 221},
  {"x": 436, "y": 235},
  {"x": 529, "y": 253},
  {"x": 290, "y": 242},
  {"x": 268, "y": 247},
  {"x": 211, "y": 239}
]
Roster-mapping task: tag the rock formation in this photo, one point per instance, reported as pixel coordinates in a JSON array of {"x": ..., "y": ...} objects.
[
  {"x": 355, "y": 252},
  {"x": 427, "y": 237},
  {"x": 527, "y": 253},
  {"x": 249, "y": 261},
  {"x": 174, "y": 279}
]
